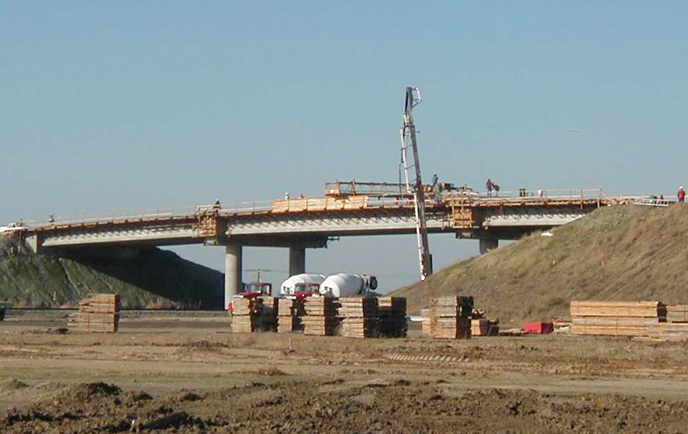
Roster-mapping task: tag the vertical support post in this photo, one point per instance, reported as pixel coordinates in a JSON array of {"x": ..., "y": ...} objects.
[
  {"x": 297, "y": 260},
  {"x": 233, "y": 280},
  {"x": 488, "y": 244}
]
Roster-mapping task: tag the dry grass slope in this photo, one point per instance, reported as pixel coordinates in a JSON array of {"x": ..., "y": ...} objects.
[{"x": 619, "y": 253}]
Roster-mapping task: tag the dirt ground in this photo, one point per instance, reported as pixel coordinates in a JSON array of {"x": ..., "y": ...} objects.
[{"x": 187, "y": 373}]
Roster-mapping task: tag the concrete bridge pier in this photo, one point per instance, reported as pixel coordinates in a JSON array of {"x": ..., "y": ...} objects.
[
  {"x": 488, "y": 244},
  {"x": 297, "y": 260},
  {"x": 233, "y": 278}
]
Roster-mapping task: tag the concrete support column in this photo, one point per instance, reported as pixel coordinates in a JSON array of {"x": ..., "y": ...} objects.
[
  {"x": 488, "y": 244},
  {"x": 297, "y": 260},
  {"x": 233, "y": 280}
]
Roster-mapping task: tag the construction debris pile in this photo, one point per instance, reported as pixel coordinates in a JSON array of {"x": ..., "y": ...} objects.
[
  {"x": 97, "y": 313},
  {"x": 615, "y": 318},
  {"x": 320, "y": 317},
  {"x": 254, "y": 314},
  {"x": 289, "y": 313},
  {"x": 358, "y": 317},
  {"x": 391, "y": 313},
  {"x": 448, "y": 318}
]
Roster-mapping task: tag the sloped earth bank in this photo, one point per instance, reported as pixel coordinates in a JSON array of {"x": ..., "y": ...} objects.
[
  {"x": 164, "y": 376},
  {"x": 615, "y": 253}
]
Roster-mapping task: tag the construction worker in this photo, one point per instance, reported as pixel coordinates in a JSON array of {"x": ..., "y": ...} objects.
[
  {"x": 217, "y": 205},
  {"x": 681, "y": 194},
  {"x": 489, "y": 185},
  {"x": 434, "y": 180}
]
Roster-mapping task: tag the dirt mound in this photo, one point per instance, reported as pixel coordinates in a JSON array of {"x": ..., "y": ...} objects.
[
  {"x": 89, "y": 390},
  {"x": 12, "y": 384},
  {"x": 313, "y": 407},
  {"x": 615, "y": 253}
]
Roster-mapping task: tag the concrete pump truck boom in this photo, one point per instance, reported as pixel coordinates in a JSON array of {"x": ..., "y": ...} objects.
[{"x": 415, "y": 185}]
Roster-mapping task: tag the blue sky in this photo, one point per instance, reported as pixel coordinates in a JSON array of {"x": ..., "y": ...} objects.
[{"x": 140, "y": 105}]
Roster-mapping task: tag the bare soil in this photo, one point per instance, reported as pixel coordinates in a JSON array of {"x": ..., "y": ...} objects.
[{"x": 191, "y": 375}]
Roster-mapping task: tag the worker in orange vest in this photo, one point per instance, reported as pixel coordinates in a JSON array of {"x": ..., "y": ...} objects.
[{"x": 681, "y": 194}]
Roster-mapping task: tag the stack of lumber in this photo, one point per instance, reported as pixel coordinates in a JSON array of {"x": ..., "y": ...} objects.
[
  {"x": 448, "y": 317},
  {"x": 97, "y": 313},
  {"x": 668, "y": 331},
  {"x": 320, "y": 316},
  {"x": 289, "y": 312},
  {"x": 246, "y": 315},
  {"x": 484, "y": 327},
  {"x": 561, "y": 326},
  {"x": 391, "y": 314},
  {"x": 615, "y": 318},
  {"x": 677, "y": 313},
  {"x": 358, "y": 317}
]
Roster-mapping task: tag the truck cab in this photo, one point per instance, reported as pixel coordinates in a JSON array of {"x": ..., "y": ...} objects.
[{"x": 262, "y": 288}]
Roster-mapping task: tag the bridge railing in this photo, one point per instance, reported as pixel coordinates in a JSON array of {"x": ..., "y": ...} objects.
[
  {"x": 116, "y": 216},
  {"x": 548, "y": 193}
]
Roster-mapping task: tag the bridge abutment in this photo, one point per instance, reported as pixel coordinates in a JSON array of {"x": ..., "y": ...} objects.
[
  {"x": 488, "y": 244},
  {"x": 233, "y": 265},
  {"x": 297, "y": 260}
]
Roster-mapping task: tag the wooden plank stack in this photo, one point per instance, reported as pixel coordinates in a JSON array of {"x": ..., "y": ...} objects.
[
  {"x": 289, "y": 312},
  {"x": 358, "y": 317},
  {"x": 97, "y": 313},
  {"x": 391, "y": 313},
  {"x": 246, "y": 315},
  {"x": 616, "y": 318},
  {"x": 448, "y": 317},
  {"x": 484, "y": 327},
  {"x": 677, "y": 313},
  {"x": 320, "y": 317}
]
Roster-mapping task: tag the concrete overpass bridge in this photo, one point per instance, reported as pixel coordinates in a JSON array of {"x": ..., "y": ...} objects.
[{"x": 347, "y": 209}]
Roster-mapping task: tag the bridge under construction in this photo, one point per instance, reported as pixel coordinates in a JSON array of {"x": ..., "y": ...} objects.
[{"x": 347, "y": 209}]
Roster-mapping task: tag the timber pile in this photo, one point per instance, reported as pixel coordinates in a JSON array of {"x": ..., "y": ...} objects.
[
  {"x": 320, "y": 317},
  {"x": 484, "y": 327},
  {"x": 358, "y": 317},
  {"x": 391, "y": 314},
  {"x": 616, "y": 318},
  {"x": 246, "y": 315},
  {"x": 289, "y": 312},
  {"x": 668, "y": 331},
  {"x": 255, "y": 314},
  {"x": 97, "y": 313},
  {"x": 448, "y": 318},
  {"x": 481, "y": 326},
  {"x": 677, "y": 313}
]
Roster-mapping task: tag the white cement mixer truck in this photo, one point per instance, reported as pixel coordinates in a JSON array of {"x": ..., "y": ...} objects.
[
  {"x": 348, "y": 285},
  {"x": 301, "y": 283}
]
